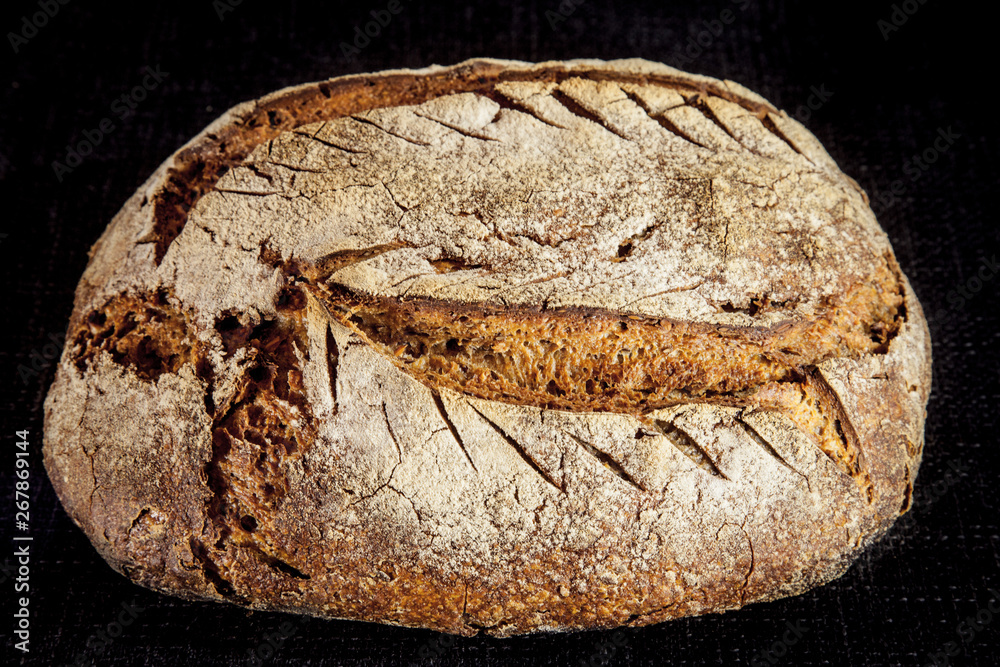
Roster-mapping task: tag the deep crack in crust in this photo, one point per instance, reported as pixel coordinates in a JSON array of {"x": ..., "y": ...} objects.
[{"x": 502, "y": 380}]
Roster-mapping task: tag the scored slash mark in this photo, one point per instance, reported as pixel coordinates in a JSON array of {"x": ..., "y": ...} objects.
[
  {"x": 668, "y": 125},
  {"x": 298, "y": 169},
  {"x": 687, "y": 446},
  {"x": 508, "y": 103},
  {"x": 664, "y": 122},
  {"x": 578, "y": 109},
  {"x": 606, "y": 460},
  {"x": 451, "y": 427},
  {"x": 313, "y": 137},
  {"x": 769, "y": 123},
  {"x": 458, "y": 129},
  {"x": 706, "y": 110},
  {"x": 519, "y": 449},
  {"x": 390, "y": 132},
  {"x": 767, "y": 446},
  {"x": 830, "y": 402},
  {"x": 696, "y": 101}
]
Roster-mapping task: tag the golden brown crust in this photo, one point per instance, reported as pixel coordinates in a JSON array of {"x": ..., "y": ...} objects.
[
  {"x": 261, "y": 401},
  {"x": 587, "y": 359}
]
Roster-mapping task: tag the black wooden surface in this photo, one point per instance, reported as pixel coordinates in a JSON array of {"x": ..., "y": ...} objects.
[{"x": 886, "y": 100}]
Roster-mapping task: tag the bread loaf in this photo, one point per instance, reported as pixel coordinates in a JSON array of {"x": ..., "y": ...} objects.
[{"x": 499, "y": 347}]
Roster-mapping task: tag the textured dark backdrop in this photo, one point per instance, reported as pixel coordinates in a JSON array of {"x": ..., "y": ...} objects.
[{"x": 890, "y": 98}]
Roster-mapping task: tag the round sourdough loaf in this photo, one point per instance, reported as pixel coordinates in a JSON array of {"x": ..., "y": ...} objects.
[{"x": 499, "y": 347}]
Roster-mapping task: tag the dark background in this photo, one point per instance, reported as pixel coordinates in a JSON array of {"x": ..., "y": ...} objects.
[{"x": 902, "y": 602}]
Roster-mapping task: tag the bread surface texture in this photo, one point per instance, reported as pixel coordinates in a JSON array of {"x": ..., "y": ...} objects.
[{"x": 499, "y": 347}]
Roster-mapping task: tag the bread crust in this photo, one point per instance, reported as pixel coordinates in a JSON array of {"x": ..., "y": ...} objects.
[{"x": 220, "y": 431}]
